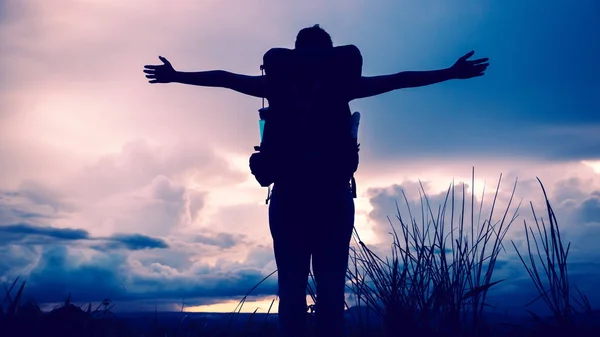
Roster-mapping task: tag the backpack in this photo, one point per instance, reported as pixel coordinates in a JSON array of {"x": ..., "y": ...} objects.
[{"x": 308, "y": 126}]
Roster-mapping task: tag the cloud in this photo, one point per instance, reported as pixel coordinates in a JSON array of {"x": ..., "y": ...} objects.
[
  {"x": 144, "y": 188},
  {"x": 26, "y": 234},
  {"x": 27, "y": 204},
  {"x": 247, "y": 220},
  {"x": 589, "y": 210},
  {"x": 412, "y": 204},
  {"x": 41, "y": 195},
  {"x": 60, "y": 272},
  {"x": 161, "y": 192},
  {"x": 135, "y": 242},
  {"x": 222, "y": 240},
  {"x": 93, "y": 276},
  {"x": 57, "y": 233},
  {"x": 140, "y": 163}
]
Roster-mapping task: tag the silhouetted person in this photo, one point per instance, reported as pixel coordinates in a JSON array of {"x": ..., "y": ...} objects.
[{"x": 312, "y": 209}]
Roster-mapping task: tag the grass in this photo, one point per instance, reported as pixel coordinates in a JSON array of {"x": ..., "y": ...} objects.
[
  {"x": 434, "y": 282},
  {"x": 437, "y": 276},
  {"x": 552, "y": 280}
]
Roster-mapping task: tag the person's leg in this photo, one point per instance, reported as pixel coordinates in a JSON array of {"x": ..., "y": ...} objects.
[
  {"x": 292, "y": 256},
  {"x": 330, "y": 262}
]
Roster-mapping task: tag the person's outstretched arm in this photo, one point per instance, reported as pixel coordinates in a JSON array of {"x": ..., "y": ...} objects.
[
  {"x": 462, "y": 69},
  {"x": 249, "y": 85}
]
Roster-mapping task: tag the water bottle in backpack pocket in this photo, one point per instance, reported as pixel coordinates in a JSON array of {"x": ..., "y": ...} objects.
[
  {"x": 260, "y": 165},
  {"x": 261, "y": 121}
]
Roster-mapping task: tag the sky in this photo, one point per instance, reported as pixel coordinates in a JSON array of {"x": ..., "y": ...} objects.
[{"x": 113, "y": 187}]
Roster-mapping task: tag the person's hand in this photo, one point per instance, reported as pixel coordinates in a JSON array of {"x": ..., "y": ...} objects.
[
  {"x": 160, "y": 74},
  {"x": 463, "y": 68}
]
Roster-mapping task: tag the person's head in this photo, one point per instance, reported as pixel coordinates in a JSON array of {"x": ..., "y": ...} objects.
[{"x": 313, "y": 37}]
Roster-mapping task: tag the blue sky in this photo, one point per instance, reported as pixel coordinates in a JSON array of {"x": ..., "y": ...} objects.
[
  {"x": 142, "y": 192},
  {"x": 542, "y": 80}
]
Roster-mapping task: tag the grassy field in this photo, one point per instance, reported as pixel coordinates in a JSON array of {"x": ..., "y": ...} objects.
[{"x": 434, "y": 282}]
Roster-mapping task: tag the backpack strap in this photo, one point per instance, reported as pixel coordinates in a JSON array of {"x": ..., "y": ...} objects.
[{"x": 262, "y": 73}]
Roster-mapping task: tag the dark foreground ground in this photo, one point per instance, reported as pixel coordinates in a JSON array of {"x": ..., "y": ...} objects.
[
  {"x": 72, "y": 321},
  {"x": 263, "y": 324}
]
